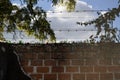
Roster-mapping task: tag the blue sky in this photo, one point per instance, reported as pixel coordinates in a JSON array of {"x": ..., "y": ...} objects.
[
  {"x": 96, "y": 4},
  {"x": 102, "y": 4},
  {"x": 61, "y": 23}
]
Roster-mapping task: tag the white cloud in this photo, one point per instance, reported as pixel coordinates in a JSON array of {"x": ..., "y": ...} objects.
[
  {"x": 62, "y": 20},
  {"x": 81, "y": 5},
  {"x": 19, "y": 5}
]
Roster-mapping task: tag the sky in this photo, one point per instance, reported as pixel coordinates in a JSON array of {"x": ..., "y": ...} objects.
[
  {"x": 64, "y": 24},
  {"x": 97, "y": 4}
]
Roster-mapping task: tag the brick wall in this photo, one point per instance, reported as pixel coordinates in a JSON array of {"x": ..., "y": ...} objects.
[{"x": 70, "y": 61}]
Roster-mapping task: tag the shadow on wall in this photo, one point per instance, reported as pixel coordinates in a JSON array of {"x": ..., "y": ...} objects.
[{"x": 9, "y": 64}]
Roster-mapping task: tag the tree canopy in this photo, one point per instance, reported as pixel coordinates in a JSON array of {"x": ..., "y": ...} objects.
[
  {"x": 29, "y": 19},
  {"x": 105, "y": 31},
  {"x": 33, "y": 21}
]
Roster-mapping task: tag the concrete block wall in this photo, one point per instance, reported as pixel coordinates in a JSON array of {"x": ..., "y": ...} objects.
[{"x": 70, "y": 61}]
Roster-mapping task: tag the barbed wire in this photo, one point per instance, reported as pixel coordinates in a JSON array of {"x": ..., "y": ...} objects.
[
  {"x": 77, "y": 11},
  {"x": 71, "y": 17},
  {"x": 60, "y": 30},
  {"x": 22, "y": 36},
  {"x": 68, "y": 30}
]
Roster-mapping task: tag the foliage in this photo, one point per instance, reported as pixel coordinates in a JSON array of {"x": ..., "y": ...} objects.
[
  {"x": 70, "y": 5},
  {"x": 30, "y": 19},
  {"x": 105, "y": 31},
  {"x": 33, "y": 20},
  {"x": 34, "y": 23}
]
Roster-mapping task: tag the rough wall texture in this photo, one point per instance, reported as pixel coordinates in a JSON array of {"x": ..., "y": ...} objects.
[{"x": 70, "y": 61}]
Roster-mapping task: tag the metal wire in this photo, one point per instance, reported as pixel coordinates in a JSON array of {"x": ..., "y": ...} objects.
[{"x": 77, "y": 11}]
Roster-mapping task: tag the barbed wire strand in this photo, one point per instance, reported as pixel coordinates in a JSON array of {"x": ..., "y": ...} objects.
[
  {"x": 60, "y": 30},
  {"x": 77, "y": 11}
]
